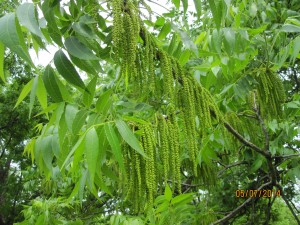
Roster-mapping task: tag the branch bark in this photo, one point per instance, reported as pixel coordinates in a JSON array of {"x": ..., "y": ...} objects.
[
  {"x": 288, "y": 203},
  {"x": 245, "y": 142},
  {"x": 262, "y": 124},
  {"x": 230, "y": 166},
  {"x": 239, "y": 208}
]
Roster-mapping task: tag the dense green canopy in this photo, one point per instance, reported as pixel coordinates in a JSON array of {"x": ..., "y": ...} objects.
[{"x": 190, "y": 116}]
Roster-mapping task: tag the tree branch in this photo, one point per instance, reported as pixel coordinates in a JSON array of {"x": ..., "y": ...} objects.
[
  {"x": 239, "y": 208},
  {"x": 287, "y": 156},
  {"x": 287, "y": 203},
  {"x": 245, "y": 142},
  {"x": 262, "y": 124},
  {"x": 229, "y": 166}
]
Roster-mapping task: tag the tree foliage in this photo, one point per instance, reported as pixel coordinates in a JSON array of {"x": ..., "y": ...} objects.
[{"x": 159, "y": 118}]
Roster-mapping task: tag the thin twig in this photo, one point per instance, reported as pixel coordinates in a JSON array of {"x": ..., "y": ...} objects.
[
  {"x": 239, "y": 208},
  {"x": 262, "y": 123},
  {"x": 159, "y": 5},
  {"x": 230, "y": 166},
  {"x": 287, "y": 156},
  {"x": 245, "y": 142},
  {"x": 287, "y": 203}
]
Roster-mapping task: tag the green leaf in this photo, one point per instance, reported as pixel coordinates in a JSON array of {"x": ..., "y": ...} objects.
[
  {"x": 184, "y": 58},
  {"x": 104, "y": 102},
  {"x": 75, "y": 148},
  {"x": 78, "y": 154},
  {"x": 63, "y": 90},
  {"x": 50, "y": 108},
  {"x": 166, "y": 29},
  {"x": 84, "y": 30},
  {"x": 188, "y": 43},
  {"x": 177, "y": 52},
  {"x": 51, "y": 84},
  {"x": 168, "y": 193},
  {"x": 86, "y": 66},
  {"x": 273, "y": 125},
  {"x": 182, "y": 199},
  {"x": 79, "y": 50},
  {"x": 82, "y": 185},
  {"x": 162, "y": 207},
  {"x": 229, "y": 42},
  {"x": 89, "y": 96},
  {"x": 176, "y": 3},
  {"x": 2, "y": 50},
  {"x": 79, "y": 121},
  {"x": 129, "y": 137},
  {"x": 216, "y": 40},
  {"x": 67, "y": 70},
  {"x": 48, "y": 12},
  {"x": 47, "y": 153},
  {"x": 33, "y": 94},
  {"x": 41, "y": 93},
  {"x": 290, "y": 28},
  {"x": 115, "y": 144},
  {"x": 92, "y": 151},
  {"x": 24, "y": 92},
  {"x": 296, "y": 49},
  {"x": 172, "y": 44},
  {"x": 197, "y": 4},
  {"x": 159, "y": 22},
  {"x": 70, "y": 114},
  {"x": 256, "y": 164},
  {"x": 293, "y": 105},
  {"x": 253, "y": 10},
  {"x": 12, "y": 37},
  {"x": 216, "y": 11},
  {"x": 185, "y": 5},
  {"x": 26, "y": 16}
]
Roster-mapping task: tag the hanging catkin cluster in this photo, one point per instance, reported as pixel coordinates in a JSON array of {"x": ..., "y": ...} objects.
[
  {"x": 148, "y": 142},
  {"x": 236, "y": 123},
  {"x": 125, "y": 35},
  {"x": 135, "y": 176},
  {"x": 185, "y": 109},
  {"x": 196, "y": 103},
  {"x": 270, "y": 94},
  {"x": 145, "y": 65},
  {"x": 169, "y": 149}
]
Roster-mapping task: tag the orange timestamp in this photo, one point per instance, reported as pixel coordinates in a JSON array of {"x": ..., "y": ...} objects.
[{"x": 265, "y": 193}]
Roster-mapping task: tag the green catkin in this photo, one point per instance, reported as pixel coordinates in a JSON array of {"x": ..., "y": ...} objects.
[
  {"x": 151, "y": 70},
  {"x": 166, "y": 68},
  {"x": 171, "y": 140},
  {"x": 135, "y": 179},
  {"x": 266, "y": 86},
  {"x": 205, "y": 101},
  {"x": 131, "y": 179},
  {"x": 139, "y": 72},
  {"x": 164, "y": 151},
  {"x": 147, "y": 47},
  {"x": 189, "y": 112},
  {"x": 199, "y": 108},
  {"x": 148, "y": 144},
  {"x": 270, "y": 94},
  {"x": 176, "y": 148},
  {"x": 236, "y": 123},
  {"x": 139, "y": 67},
  {"x": 131, "y": 40},
  {"x": 138, "y": 172},
  {"x": 117, "y": 24},
  {"x": 126, "y": 164}
]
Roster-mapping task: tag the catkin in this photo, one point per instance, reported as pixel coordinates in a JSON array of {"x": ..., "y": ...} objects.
[
  {"x": 148, "y": 144},
  {"x": 271, "y": 94}
]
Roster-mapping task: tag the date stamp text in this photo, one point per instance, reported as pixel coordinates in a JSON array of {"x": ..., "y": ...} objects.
[{"x": 265, "y": 193}]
